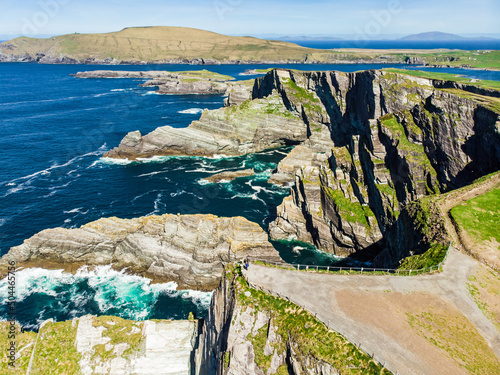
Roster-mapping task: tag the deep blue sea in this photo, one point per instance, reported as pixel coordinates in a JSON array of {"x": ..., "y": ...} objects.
[
  {"x": 55, "y": 128},
  {"x": 468, "y": 45}
]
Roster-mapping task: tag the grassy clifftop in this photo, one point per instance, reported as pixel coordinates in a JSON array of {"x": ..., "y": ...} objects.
[
  {"x": 157, "y": 43},
  {"x": 162, "y": 43}
]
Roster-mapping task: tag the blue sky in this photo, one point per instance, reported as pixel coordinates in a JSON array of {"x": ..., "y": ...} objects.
[{"x": 253, "y": 17}]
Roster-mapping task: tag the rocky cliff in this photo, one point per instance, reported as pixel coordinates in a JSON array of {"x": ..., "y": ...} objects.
[
  {"x": 248, "y": 331},
  {"x": 369, "y": 144},
  {"x": 105, "y": 345},
  {"x": 391, "y": 139},
  {"x": 187, "y": 249},
  {"x": 250, "y": 127}
]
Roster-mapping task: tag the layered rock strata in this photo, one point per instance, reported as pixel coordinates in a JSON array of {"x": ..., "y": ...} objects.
[
  {"x": 393, "y": 139},
  {"x": 250, "y": 127},
  {"x": 187, "y": 249},
  {"x": 370, "y": 143}
]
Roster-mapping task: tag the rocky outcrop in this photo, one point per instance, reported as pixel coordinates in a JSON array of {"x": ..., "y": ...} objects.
[
  {"x": 187, "y": 249},
  {"x": 370, "y": 143},
  {"x": 229, "y": 176},
  {"x": 108, "y": 345},
  {"x": 392, "y": 139},
  {"x": 248, "y": 331},
  {"x": 183, "y": 83},
  {"x": 251, "y": 127}
]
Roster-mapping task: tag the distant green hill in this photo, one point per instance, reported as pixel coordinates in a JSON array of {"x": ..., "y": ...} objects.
[
  {"x": 162, "y": 44},
  {"x": 150, "y": 44}
]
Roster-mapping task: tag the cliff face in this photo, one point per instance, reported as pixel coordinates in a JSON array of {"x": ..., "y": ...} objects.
[
  {"x": 250, "y": 127},
  {"x": 106, "y": 345},
  {"x": 248, "y": 331},
  {"x": 369, "y": 143},
  {"x": 390, "y": 140},
  {"x": 189, "y": 249}
]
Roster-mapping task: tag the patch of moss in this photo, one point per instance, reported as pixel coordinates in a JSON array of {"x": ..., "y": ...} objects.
[
  {"x": 414, "y": 153},
  {"x": 56, "y": 350},
  {"x": 353, "y": 212},
  {"x": 119, "y": 331}
]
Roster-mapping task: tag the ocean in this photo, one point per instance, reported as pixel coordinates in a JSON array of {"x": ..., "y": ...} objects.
[
  {"x": 467, "y": 45},
  {"x": 55, "y": 129}
]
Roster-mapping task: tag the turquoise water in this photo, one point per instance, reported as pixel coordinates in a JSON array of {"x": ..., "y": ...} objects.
[{"x": 55, "y": 129}]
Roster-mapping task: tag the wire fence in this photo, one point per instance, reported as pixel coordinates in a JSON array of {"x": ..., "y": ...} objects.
[{"x": 348, "y": 270}]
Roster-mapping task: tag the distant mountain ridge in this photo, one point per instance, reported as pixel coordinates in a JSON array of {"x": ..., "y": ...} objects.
[{"x": 439, "y": 36}]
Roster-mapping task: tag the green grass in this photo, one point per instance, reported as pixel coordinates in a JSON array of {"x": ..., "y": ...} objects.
[
  {"x": 56, "y": 350},
  {"x": 480, "y": 217},
  {"x": 353, "y": 212},
  {"x": 494, "y": 85},
  {"x": 119, "y": 331},
  {"x": 308, "y": 334},
  {"x": 205, "y": 74},
  {"x": 430, "y": 258},
  {"x": 455, "y": 335},
  {"x": 24, "y": 346}
]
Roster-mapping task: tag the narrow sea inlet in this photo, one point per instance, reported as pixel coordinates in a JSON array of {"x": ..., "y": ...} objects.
[{"x": 56, "y": 129}]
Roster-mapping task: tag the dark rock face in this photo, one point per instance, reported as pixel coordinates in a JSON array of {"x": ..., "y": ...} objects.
[
  {"x": 392, "y": 139},
  {"x": 187, "y": 249}
]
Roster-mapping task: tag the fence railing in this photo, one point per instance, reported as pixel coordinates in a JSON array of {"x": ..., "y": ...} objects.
[{"x": 352, "y": 270}]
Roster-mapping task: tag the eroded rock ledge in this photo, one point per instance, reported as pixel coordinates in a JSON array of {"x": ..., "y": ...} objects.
[
  {"x": 187, "y": 249},
  {"x": 370, "y": 143}
]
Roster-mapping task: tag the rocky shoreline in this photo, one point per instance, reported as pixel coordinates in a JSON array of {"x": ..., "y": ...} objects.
[
  {"x": 370, "y": 143},
  {"x": 188, "y": 249}
]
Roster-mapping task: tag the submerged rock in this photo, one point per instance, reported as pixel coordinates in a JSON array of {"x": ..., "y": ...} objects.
[
  {"x": 188, "y": 249},
  {"x": 230, "y": 175}
]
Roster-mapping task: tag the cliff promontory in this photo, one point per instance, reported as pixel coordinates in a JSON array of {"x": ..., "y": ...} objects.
[
  {"x": 369, "y": 144},
  {"x": 187, "y": 249}
]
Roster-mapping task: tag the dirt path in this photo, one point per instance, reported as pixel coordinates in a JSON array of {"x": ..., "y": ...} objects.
[
  {"x": 454, "y": 198},
  {"x": 486, "y": 253},
  {"x": 373, "y": 310}
]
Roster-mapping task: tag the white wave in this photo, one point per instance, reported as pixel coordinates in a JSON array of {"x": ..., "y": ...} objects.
[
  {"x": 132, "y": 295},
  {"x": 205, "y": 170},
  {"x": 178, "y": 192},
  {"x": 25, "y": 181},
  {"x": 75, "y": 211},
  {"x": 151, "y": 93},
  {"x": 2, "y": 221},
  {"x": 191, "y": 111},
  {"x": 253, "y": 196},
  {"x": 103, "y": 94},
  {"x": 105, "y": 160},
  {"x": 152, "y": 173}
]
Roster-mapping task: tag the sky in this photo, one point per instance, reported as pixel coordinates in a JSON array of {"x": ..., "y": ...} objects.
[{"x": 371, "y": 19}]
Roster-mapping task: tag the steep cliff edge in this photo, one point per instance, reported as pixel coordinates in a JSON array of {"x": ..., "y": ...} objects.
[
  {"x": 393, "y": 138},
  {"x": 369, "y": 142},
  {"x": 187, "y": 249},
  {"x": 248, "y": 331}
]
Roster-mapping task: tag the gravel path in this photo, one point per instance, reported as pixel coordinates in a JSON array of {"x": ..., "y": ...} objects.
[{"x": 324, "y": 295}]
